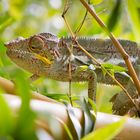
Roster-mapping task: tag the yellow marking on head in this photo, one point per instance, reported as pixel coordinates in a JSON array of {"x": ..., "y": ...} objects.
[{"x": 44, "y": 59}]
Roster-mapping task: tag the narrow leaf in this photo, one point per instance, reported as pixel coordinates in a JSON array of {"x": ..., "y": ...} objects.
[
  {"x": 133, "y": 11},
  {"x": 114, "y": 16},
  {"x": 108, "y": 132},
  {"x": 6, "y": 119},
  {"x": 113, "y": 67},
  {"x": 95, "y": 2}
]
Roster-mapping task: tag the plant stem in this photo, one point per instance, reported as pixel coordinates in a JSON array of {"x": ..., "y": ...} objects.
[{"x": 117, "y": 45}]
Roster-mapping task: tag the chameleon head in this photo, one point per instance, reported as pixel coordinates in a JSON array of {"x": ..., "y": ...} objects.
[{"x": 35, "y": 54}]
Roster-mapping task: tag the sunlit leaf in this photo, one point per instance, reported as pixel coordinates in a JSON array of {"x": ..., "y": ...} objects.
[
  {"x": 115, "y": 15},
  {"x": 15, "y": 8},
  {"x": 6, "y": 118},
  {"x": 108, "y": 132},
  {"x": 103, "y": 70},
  {"x": 95, "y": 2},
  {"x": 125, "y": 74},
  {"x": 93, "y": 105},
  {"x": 1, "y": 64},
  {"x": 2, "y": 48},
  {"x": 25, "y": 130},
  {"x": 67, "y": 129},
  {"x": 82, "y": 68},
  {"x": 89, "y": 117},
  {"x": 6, "y": 24},
  {"x": 75, "y": 125},
  {"x": 57, "y": 96},
  {"x": 5, "y": 16},
  {"x": 113, "y": 67},
  {"x": 134, "y": 15}
]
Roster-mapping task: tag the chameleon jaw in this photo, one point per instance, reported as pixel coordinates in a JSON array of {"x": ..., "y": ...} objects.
[
  {"x": 29, "y": 61},
  {"x": 18, "y": 54}
]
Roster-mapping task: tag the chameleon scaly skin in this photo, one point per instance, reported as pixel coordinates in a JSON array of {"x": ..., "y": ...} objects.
[{"x": 46, "y": 54}]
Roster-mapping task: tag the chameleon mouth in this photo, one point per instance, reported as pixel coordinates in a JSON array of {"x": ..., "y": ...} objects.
[{"x": 20, "y": 55}]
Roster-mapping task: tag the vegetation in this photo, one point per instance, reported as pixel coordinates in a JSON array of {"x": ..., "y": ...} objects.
[{"x": 29, "y": 17}]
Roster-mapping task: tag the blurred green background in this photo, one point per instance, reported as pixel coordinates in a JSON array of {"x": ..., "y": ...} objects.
[{"x": 29, "y": 17}]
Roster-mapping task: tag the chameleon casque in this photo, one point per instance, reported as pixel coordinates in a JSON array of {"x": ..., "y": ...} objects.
[{"x": 47, "y": 55}]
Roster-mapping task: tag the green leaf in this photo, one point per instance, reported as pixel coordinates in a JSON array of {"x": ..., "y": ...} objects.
[
  {"x": 133, "y": 11},
  {"x": 67, "y": 129},
  {"x": 82, "y": 68},
  {"x": 90, "y": 118},
  {"x": 5, "y": 16},
  {"x": 108, "y": 132},
  {"x": 16, "y": 7},
  {"x": 74, "y": 123},
  {"x": 6, "y": 119},
  {"x": 6, "y": 23},
  {"x": 25, "y": 130},
  {"x": 58, "y": 96},
  {"x": 1, "y": 64},
  {"x": 125, "y": 74},
  {"x": 95, "y": 2},
  {"x": 112, "y": 72},
  {"x": 113, "y": 67},
  {"x": 103, "y": 70},
  {"x": 115, "y": 15},
  {"x": 2, "y": 47},
  {"x": 93, "y": 105}
]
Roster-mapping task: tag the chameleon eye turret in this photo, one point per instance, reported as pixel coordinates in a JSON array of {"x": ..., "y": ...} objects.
[{"x": 36, "y": 44}]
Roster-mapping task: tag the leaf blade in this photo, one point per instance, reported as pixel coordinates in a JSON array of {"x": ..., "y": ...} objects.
[{"x": 108, "y": 132}]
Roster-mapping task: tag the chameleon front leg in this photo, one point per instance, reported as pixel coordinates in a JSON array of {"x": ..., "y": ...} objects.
[
  {"x": 90, "y": 76},
  {"x": 92, "y": 85}
]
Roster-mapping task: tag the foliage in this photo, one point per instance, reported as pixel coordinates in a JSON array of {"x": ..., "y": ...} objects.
[
  {"x": 10, "y": 124},
  {"x": 28, "y": 17},
  {"x": 108, "y": 132}
]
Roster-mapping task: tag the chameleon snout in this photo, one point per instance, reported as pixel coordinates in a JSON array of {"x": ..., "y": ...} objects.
[
  {"x": 7, "y": 44},
  {"x": 14, "y": 42}
]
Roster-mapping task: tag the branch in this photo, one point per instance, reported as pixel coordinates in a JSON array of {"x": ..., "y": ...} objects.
[
  {"x": 9, "y": 87},
  {"x": 49, "y": 106},
  {"x": 117, "y": 45},
  {"x": 103, "y": 119}
]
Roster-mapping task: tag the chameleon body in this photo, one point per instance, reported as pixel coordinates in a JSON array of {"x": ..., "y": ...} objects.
[{"x": 46, "y": 54}]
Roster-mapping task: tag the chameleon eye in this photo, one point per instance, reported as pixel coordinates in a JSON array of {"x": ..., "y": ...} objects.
[{"x": 36, "y": 43}]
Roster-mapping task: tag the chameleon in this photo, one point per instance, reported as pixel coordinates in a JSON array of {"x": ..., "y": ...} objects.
[{"x": 45, "y": 54}]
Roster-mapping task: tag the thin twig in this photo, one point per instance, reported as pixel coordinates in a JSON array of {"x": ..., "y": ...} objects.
[
  {"x": 117, "y": 45},
  {"x": 69, "y": 65},
  {"x": 80, "y": 26},
  {"x": 94, "y": 59},
  {"x": 117, "y": 82},
  {"x": 82, "y": 23}
]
